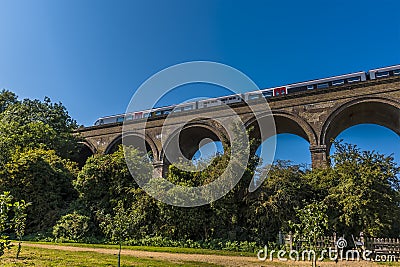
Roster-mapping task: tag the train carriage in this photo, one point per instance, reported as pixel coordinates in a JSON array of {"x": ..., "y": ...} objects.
[
  {"x": 327, "y": 82},
  {"x": 265, "y": 93},
  {"x": 384, "y": 72}
]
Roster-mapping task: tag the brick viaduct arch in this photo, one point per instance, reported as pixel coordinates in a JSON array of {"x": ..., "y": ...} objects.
[
  {"x": 190, "y": 139},
  {"x": 285, "y": 123},
  {"x": 86, "y": 150},
  {"x": 374, "y": 110},
  {"x": 317, "y": 116}
]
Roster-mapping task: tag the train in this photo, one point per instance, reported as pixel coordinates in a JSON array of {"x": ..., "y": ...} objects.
[{"x": 317, "y": 84}]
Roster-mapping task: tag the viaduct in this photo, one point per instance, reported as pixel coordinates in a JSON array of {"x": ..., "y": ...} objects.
[{"x": 318, "y": 116}]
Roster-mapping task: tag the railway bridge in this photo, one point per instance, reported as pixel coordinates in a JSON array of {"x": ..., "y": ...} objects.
[{"x": 318, "y": 116}]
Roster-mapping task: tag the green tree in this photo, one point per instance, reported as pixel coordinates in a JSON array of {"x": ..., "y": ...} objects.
[
  {"x": 105, "y": 179},
  {"x": 181, "y": 223},
  {"x": 361, "y": 191},
  {"x": 275, "y": 202},
  {"x": 7, "y": 98},
  {"x": 72, "y": 227},
  {"x": 12, "y": 216},
  {"x": 231, "y": 210},
  {"x": 43, "y": 178},
  {"x": 313, "y": 222},
  {"x": 35, "y": 124},
  {"x": 118, "y": 226},
  {"x": 19, "y": 221},
  {"x": 5, "y": 206}
]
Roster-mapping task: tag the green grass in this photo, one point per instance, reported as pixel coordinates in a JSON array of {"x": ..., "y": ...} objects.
[
  {"x": 154, "y": 249},
  {"x": 33, "y": 256},
  {"x": 43, "y": 257}
]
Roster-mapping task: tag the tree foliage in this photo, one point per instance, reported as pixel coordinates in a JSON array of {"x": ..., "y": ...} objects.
[
  {"x": 361, "y": 190},
  {"x": 351, "y": 192},
  {"x": 7, "y": 98},
  {"x": 19, "y": 221},
  {"x": 105, "y": 180},
  {"x": 35, "y": 124},
  {"x": 12, "y": 217},
  {"x": 5, "y": 224},
  {"x": 72, "y": 227},
  {"x": 43, "y": 178},
  {"x": 119, "y": 226},
  {"x": 275, "y": 202}
]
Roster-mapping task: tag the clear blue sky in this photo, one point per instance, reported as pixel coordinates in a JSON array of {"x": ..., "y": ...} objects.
[{"x": 92, "y": 55}]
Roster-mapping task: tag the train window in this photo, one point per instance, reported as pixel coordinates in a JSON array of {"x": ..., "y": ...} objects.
[
  {"x": 254, "y": 96},
  {"x": 396, "y": 72},
  {"x": 158, "y": 112},
  {"x": 338, "y": 82},
  {"x": 129, "y": 118},
  {"x": 187, "y": 108},
  {"x": 353, "y": 79},
  {"x": 310, "y": 87},
  {"x": 297, "y": 89},
  {"x": 382, "y": 74},
  {"x": 120, "y": 119},
  {"x": 322, "y": 85},
  {"x": 177, "y": 110},
  {"x": 168, "y": 111},
  {"x": 267, "y": 93},
  {"x": 146, "y": 115}
]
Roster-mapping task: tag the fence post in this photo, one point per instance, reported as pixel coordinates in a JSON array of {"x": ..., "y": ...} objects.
[
  {"x": 334, "y": 240},
  {"x": 364, "y": 246},
  {"x": 281, "y": 240},
  {"x": 290, "y": 241}
]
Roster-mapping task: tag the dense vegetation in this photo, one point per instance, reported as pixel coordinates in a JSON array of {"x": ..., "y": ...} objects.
[{"x": 101, "y": 202}]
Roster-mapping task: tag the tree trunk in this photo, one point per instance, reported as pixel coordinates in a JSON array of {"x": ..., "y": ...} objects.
[
  {"x": 119, "y": 255},
  {"x": 19, "y": 249}
]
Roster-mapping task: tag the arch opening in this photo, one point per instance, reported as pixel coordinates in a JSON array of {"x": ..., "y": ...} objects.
[
  {"x": 289, "y": 141},
  {"x": 135, "y": 141},
  {"x": 194, "y": 144},
  {"x": 85, "y": 151},
  {"x": 364, "y": 112},
  {"x": 289, "y": 147},
  {"x": 284, "y": 124},
  {"x": 208, "y": 149},
  {"x": 287, "y": 130},
  {"x": 372, "y": 137}
]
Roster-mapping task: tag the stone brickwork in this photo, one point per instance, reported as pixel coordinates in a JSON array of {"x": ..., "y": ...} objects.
[{"x": 318, "y": 116}]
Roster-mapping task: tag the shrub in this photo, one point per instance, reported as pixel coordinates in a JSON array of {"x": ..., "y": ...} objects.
[{"x": 72, "y": 227}]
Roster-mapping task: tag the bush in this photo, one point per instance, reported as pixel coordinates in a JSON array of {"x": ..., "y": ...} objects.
[
  {"x": 72, "y": 227},
  {"x": 215, "y": 244}
]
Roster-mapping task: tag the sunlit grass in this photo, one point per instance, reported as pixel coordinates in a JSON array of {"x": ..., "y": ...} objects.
[{"x": 33, "y": 256}]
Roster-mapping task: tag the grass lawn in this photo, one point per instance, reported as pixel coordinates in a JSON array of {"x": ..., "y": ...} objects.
[
  {"x": 73, "y": 254},
  {"x": 32, "y": 256}
]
